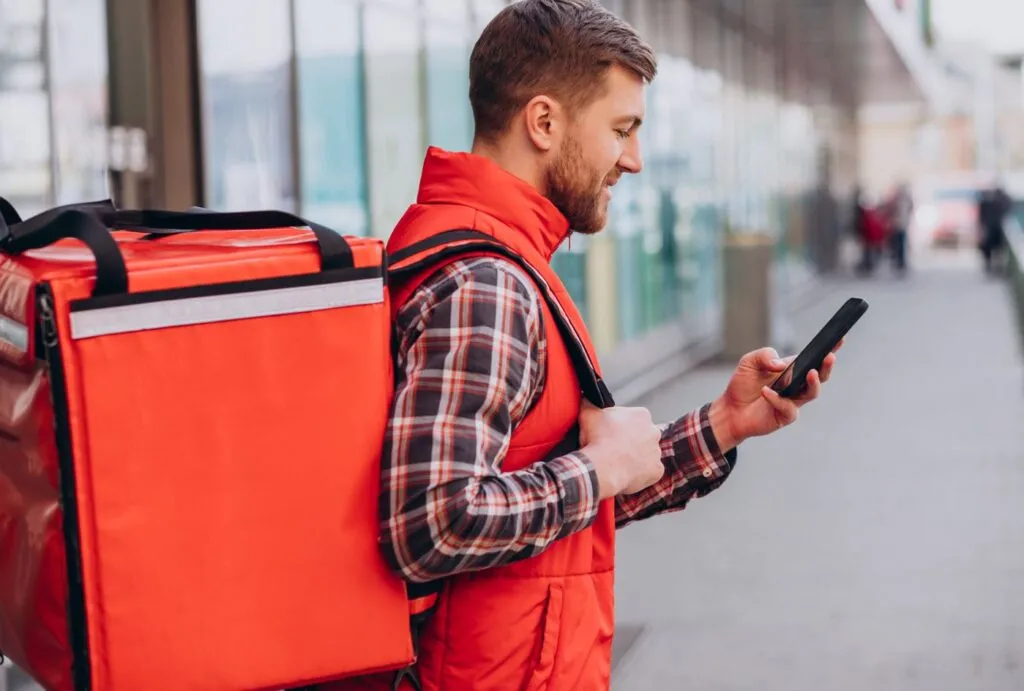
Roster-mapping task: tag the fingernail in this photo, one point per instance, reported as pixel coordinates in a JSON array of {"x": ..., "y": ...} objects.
[{"x": 777, "y": 362}]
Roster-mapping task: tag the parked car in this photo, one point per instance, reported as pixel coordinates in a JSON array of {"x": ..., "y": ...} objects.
[{"x": 946, "y": 215}]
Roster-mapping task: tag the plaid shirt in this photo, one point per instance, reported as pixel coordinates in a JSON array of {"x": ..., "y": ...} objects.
[{"x": 471, "y": 363}]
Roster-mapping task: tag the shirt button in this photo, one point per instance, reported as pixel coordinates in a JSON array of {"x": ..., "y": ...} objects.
[{"x": 708, "y": 472}]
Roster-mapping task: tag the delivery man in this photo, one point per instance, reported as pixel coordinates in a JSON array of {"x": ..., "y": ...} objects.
[{"x": 479, "y": 491}]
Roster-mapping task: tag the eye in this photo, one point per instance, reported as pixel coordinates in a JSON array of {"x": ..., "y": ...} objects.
[{"x": 623, "y": 134}]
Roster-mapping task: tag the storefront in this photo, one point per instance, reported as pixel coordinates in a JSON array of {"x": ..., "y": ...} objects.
[{"x": 325, "y": 108}]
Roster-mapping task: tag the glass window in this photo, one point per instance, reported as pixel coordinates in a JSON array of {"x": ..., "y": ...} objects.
[
  {"x": 25, "y": 174},
  {"x": 448, "y": 44},
  {"x": 484, "y": 11},
  {"x": 331, "y": 126},
  {"x": 247, "y": 98},
  {"x": 78, "y": 89},
  {"x": 393, "y": 102}
]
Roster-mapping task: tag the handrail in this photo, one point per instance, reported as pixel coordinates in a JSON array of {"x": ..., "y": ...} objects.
[{"x": 1015, "y": 245}]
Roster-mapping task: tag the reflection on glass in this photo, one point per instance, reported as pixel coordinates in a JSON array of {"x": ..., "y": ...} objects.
[
  {"x": 78, "y": 89},
  {"x": 331, "y": 128},
  {"x": 448, "y": 35},
  {"x": 393, "y": 98},
  {"x": 25, "y": 174},
  {"x": 484, "y": 11},
  {"x": 246, "y": 83}
]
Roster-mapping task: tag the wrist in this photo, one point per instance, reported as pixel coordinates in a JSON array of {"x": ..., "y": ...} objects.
[
  {"x": 720, "y": 418},
  {"x": 609, "y": 484}
]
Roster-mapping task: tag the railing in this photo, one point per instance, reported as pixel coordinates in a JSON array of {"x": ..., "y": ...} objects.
[{"x": 1015, "y": 243}]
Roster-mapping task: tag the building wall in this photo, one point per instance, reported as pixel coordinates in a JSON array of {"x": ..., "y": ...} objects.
[
  {"x": 325, "y": 107},
  {"x": 375, "y": 82},
  {"x": 910, "y": 145}
]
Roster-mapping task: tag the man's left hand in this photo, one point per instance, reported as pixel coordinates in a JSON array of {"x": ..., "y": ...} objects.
[{"x": 750, "y": 408}]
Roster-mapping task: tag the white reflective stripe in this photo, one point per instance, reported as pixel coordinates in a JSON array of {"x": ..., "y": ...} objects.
[
  {"x": 217, "y": 308},
  {"x": 14, "y": 333}
]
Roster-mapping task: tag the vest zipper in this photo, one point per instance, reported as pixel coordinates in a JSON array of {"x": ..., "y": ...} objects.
[{"x": 50, "y": 343}]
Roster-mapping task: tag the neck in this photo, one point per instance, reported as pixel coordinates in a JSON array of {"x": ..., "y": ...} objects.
[{"x": 511, "y": 160}]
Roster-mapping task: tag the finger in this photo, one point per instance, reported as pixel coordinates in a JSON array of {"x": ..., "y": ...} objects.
[
  {"x": 826, "y": 367},
  {"x": 766, "y": 359},
  {"x": 813, "y": 389},
  {"x": 839, "y": 345},
  {"x": 786, "y": 411}
]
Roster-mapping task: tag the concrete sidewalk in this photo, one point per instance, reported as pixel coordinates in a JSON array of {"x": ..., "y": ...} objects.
[{"x": 879, "y": 543}]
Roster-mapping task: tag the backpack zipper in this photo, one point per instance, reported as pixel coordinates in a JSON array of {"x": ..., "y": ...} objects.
[{"x": 50, "y": 343}]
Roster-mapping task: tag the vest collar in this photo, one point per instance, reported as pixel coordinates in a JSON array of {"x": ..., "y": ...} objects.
[{"x": 479, "y": 183}]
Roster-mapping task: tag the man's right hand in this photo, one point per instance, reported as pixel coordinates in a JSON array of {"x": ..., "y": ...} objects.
[{"x": 625, "y": 447}]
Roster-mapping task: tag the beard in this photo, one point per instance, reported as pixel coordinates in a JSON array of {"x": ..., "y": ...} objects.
[{"x": 576, "y": 189}]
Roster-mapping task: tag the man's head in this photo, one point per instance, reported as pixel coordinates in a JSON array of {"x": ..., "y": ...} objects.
[{"x": 557, "y": 93}]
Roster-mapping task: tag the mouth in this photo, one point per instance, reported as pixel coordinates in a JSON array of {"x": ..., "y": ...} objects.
[{"x": 607, "y": 189}]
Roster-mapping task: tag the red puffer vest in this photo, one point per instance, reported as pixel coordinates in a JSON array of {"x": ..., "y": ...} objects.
[{"x": 545, "y": 622}]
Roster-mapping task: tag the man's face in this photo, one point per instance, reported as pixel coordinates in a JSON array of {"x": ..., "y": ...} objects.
[{"x": 600, "y": 146}]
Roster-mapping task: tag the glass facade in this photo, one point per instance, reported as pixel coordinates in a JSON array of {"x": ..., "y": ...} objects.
[
  {"x": 247, "y": 90},
  {"x": 331, "y": 124},
  {"x": 333, "y": 113},
  {"x": 53, "y": 101}
]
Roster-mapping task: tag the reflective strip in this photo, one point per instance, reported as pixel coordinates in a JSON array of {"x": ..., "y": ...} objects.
[
  {"x": 218, "y": 308},
  {"x": 14, "y": 333}
]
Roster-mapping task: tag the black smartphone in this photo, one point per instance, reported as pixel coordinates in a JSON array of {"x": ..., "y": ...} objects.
[{"x": 793, "y": 381}]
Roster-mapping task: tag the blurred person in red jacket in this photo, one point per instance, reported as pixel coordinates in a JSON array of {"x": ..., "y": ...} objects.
[{"x": 871, "y": 230}]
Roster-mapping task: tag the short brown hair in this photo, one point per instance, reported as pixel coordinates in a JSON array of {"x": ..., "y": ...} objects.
[{"x": 558, "y": 47}]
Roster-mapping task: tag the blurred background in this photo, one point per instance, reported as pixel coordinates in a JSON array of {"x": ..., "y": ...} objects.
[{"x": 778, "y": 136}]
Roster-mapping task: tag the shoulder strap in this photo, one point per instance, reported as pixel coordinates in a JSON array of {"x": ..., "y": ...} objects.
[{"x": 444, "y": 248}]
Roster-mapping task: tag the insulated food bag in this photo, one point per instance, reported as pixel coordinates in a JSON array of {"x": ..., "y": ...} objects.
[{"x": 190, "y": 431}]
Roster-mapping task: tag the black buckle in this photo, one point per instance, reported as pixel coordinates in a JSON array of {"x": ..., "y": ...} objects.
[
  {"x": 407, "y": 673},
  {"x": 410, "y": 671}
]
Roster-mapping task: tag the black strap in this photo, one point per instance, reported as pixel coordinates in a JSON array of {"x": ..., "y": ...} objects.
[
  {"x": 470, "y": 241},
  {"x": 8, "y": 216},
  {"x": 90, "y": 222},
  {"x": 39, "y": 231},
  {"x": 168, "y": 233},
  {"x": 335, "y": 252}
]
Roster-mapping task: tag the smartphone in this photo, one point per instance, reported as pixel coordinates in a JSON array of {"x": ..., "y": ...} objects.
[{"x": 793, "y": 381}]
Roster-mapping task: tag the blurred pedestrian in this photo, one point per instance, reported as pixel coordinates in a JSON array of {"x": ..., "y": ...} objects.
[
  {"x": 870, "y": 228},
  {"x": 900, "y": 211},
  {"x": 993, "y": 206}
]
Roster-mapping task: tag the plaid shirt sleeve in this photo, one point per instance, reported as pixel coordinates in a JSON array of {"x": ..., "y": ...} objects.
[
  {"x": 694, "y": 467},
  {"x": 471, "y": 363}
]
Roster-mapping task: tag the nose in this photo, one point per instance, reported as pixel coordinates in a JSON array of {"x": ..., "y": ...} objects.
[{"x": 631, "y": 160}]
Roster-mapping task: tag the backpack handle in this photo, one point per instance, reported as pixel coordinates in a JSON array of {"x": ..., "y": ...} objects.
[{"x": 91, "y": 223}]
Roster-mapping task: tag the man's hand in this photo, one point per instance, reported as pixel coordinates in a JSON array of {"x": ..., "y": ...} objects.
[
  {"x": 750, "y": 408},
  {"x": 625, "y": 447}
]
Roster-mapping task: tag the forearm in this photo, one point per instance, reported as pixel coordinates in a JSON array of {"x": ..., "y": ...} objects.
[
  {"x": 472, "y": 523},
  {"x": 694, "y": 466}
]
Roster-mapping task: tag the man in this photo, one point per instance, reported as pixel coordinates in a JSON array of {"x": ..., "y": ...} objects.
[
  {"x": 479, "y": 490},
  {"x": 901, "y": 210},
  {"x": 993, "y": 206}
]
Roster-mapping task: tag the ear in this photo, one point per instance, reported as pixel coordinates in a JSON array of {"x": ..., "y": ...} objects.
[{"x": 544, "y": 120}]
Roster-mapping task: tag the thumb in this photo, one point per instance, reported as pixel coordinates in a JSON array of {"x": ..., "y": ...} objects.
[{"x": 766, "y": 359}]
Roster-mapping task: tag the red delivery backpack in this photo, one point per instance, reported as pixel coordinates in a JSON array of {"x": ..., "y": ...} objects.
[{"x": 192, "y": 406}]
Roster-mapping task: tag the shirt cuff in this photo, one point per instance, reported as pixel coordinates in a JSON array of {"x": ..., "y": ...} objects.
[
  {"x": 715, "y": 464},
  {"x": 576, "y": 478}
]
